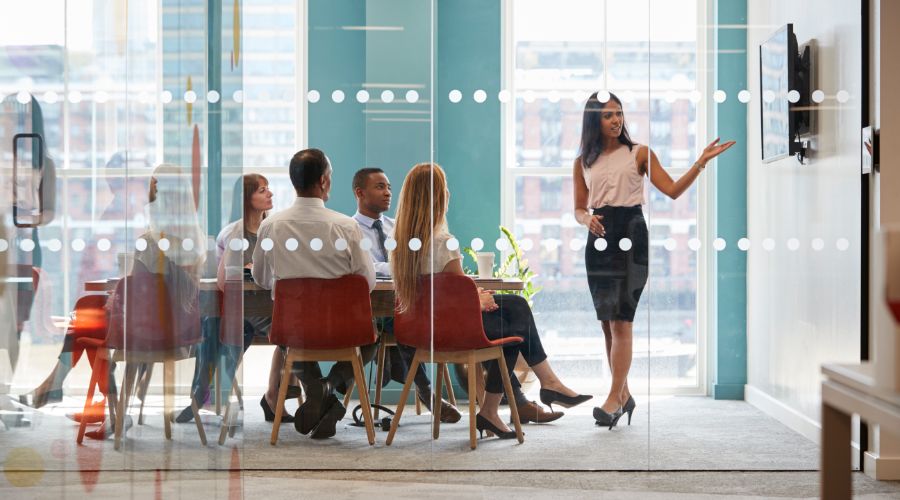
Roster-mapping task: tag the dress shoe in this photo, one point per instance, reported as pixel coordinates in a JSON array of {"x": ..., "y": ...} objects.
[
  {"x": 549, "y": 398},
  {"x": 326, "y": 427},
  {"x": 533, "y": 412},
  {"x": 311, "y": 411},
  {"x": 269, "y": 413},
  {"x": 449, "y": 412},
  {"x": 605, "y": 419},
  {"x": 483, "y": 424}
]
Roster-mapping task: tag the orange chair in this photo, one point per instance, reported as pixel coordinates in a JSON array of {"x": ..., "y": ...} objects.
[
  {"x": 323, "y": 320},
  {"x": 458, "y": 337},
  {"x": 144, "y": 327}
]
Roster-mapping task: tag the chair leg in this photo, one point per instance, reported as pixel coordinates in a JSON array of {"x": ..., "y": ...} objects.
[
  {"x": 89, "y": 399},
  {"x": 479, "y": 383},
  {"x": 217, "y": 386},
  {"x": 395, "y": 422},
  {"x": 145, "y": 385},
  {"x": 194, "y": 408},
  {"x": 510, "y": 399},
  {"x": 363, "y": 389},
  {"x": 450, "y": 395},
  {"x": 169, "y": 396},
  {"x": 226, "y": 424},
  {"x": 282, "y": 394},
  {"x": 379, "y": 374},
  {"x": 472, "y": 398},
  {"x": 127, "y": 385},
  {"x": 436, "y": 407},
  {"x": 349, "y": 393}
]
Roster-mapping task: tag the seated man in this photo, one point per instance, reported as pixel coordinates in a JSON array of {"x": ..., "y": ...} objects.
[
  {"x": 373, "y": 198},
  {"x": 305, "y": 220}
]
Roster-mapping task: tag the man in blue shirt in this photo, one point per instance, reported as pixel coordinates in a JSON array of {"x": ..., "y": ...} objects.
[{"x": 373, "y": 198}]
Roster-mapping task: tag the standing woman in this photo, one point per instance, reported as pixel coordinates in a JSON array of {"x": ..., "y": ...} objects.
[{"x": 609, "y": 191}]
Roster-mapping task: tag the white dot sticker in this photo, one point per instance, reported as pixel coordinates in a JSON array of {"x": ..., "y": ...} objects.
[
  {"x": 603, "y": 96},
  {"x": 453, "y": 244},
  {"x": 818, "y": 244},
  {"x": 412, "y": 96},
  {"x": 3, "y": 245},
  {"x": 235, "y": 244},
  {"x": 480, "y": 96},
  {"x": 818, "y": 96},
  {"x": 387, "y": 96},
  {"x": 238, "y": 96},
  {"x": 165, "y": 97},
  {"x": 695, "y": 96},
  {"x": 842, "y": 96},
  {"x": 625, "y": 244},
  {"x": 575, "y": 244},
  {"x": 744, "y": 244},
  {"x": 600, "y": 244},
  {"x": 719, "y": 96},
  {"x": 526, "y": 244},
  {"x": 26, "y": 245},
  {"x": 103, "y": 245},
  {"x": 54, "y": 245},
  {"x": 337, "y": 96},
  {"x": 501, "y": 244},
  {"x": 51, "y": 97},
  {"x": 267, "y": 244},
  {"x": 365, "y": 244},
  {"x": 793, "y": 97},
  {"x": 313, "y": 96},
  {"x": 503, "y": 96},
  {"x": 187, "y": 244},
  {"x": 670, "y": 96},
  {"x": 315, "y": 244},
  {"x": 768, "y": 96},
  {"x": 553, "y": 96},
  {"x": 415, "y": 244},
  {"x": 744, "y": 96},
  {"x": 23, "y": 97},
  {"x": 140, "y": 245},
  {"x": 164, "y": 244},
  {"x": 245, "y": 244},
  {"x": 78, "y": 244},
  {"x": 719, "y": 244},
  {"x": 390, "y": 244},
  {"x": 843, "y": 244},
  {"x": 101, "y": 97},
  {"x": 670, "y": 244},
  {"x": 528, "y": 96},
  {"x": 768, "y": 244},
  {"x": 75, "y": 96},
  {"x": 190, "y": 97},
  {"x": 694, "y": 244},
  {"x": 362, "y": 96},
  {"x": 793, "y": 244},
  {"x": 291, "y": 244},
  {"x": 455, "y": 96},
  {"x": 213, "y": 96},
  {"x": 477, "y": 244},
  {"x": 340, "y": 244}
]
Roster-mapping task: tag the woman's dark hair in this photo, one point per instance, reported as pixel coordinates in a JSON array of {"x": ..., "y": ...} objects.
[
  {"x": 592, "y": 134},
  {"x": 251, "y": 184}
]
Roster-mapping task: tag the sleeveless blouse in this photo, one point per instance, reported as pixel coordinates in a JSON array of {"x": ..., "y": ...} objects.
[{"x": 613, "y": 179}]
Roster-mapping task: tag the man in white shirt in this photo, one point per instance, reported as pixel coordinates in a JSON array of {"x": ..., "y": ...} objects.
[
  {"x": 373, "y": 198},
  {"x": 311, "y": 241}
]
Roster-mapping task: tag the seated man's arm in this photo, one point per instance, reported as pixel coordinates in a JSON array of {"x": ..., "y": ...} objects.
[{"x": 360, "y": 260}]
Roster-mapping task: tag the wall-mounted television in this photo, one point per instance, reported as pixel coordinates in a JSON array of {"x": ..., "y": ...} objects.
[{"x": 784, "y": 95}]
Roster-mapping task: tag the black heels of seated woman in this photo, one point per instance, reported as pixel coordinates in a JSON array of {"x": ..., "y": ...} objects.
[
  {"x": 483, "y": 424},
  {"x": 550, "y": 397}
]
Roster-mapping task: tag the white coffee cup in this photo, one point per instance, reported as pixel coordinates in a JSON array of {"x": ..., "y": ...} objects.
[{"x": 485, "y": 264}]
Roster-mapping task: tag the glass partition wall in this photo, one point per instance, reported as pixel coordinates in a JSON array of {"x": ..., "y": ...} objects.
[{"x": 144, "y": 144}]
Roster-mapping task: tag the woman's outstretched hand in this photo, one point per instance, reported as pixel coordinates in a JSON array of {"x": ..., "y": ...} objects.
[{"x": 712, "y": 150}]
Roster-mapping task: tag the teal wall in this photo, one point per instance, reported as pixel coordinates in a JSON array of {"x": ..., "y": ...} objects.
[{"x": 730, "y": 362}]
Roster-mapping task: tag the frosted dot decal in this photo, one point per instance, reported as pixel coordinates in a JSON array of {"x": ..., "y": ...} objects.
[
  {"x": 501, "y": 244},
  {"x": 625, "y": 244},
  {"x": 103, "y": 245},
  {"x": 316, "y": 244},
  {"x": 26, "y": 245},
  {"x": 818, "y": 244},
  {"x": 744, "y": 96},
  {"x": 694, "y": 244},
  {"x": 235, "y": 244},
  {"x": 793, "y": 244},
  {"x": 387, "y": 96},
  {"x": 670, "y": 244},
  {"x": 455, "y": 96},
  {"x": 213, "y": 96},
  {"x": 477, "y": 244},
  {"x": 600, "y": 244},
  {"x": 603, "y": 96},
  {"x": 165, "y": 97},
  {"x": 140, "y": 245},
  {"x": 818, "y": 96},
  {"x": 453, "y": 244},
  {"x": 337, "y": 96},
  {"x": 843, "y": 244},
  {"x": 793, "y": 97},
  {"x": 412, "y": 96},
  {"x": 163, "y": 244},
  {"x": 190, "y": 97},
  {"x": 768, "y": 244},
  {"x": 313, "y": 96},
  {"x": 78, "y": 244},
  {"x": 53, "y": 245},
  {"x": 479, "y": 96},
  {"x": 366, "y": 244},
  {"x": 340, "y": 244},
  {"x": 415, "y": 244},
  {"x": 719, "y": 96},
  {"x": 187, "y": 244},
  {"x": 503, "y": 95},
  {"x": 291, "y": 244},
  {"x": 362, "y": 96},
  {"x": 267, "y": 244},
  {"x": 744, "y": 244},
  {"x": 842, "y": 96},
  {"x": 390, "y": 244},
  {"x": 526, "y": 244},
  {"x": 719, "y": 244}
]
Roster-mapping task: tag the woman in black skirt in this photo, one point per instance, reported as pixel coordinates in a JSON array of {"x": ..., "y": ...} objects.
[{"x": 609, "y": 191}]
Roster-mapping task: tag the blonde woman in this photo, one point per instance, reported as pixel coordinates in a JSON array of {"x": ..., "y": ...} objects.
[{"x": 422, "y": 214}]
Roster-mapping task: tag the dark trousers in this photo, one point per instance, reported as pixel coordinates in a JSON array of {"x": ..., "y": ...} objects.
[
  {"x": 513, "y": 318},
  {"x": 341, "y": 373}
]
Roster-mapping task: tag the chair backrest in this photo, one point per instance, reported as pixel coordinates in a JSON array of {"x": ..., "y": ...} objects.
[
  {"x": 457, "y": 324},
  {"x": 90, "y": 317},
  {"x": 144, "y": 316},
  {"x": 313, "y": 313}
]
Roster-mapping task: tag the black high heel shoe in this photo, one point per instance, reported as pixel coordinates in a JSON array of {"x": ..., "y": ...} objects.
[
  {"x": 549, "y": 397},
  {"x": 483, "y": 424},
  {"x": 286, "y": 418},
  {"x": 629, "y": 407},
  {"x": 605, "y": 419}
]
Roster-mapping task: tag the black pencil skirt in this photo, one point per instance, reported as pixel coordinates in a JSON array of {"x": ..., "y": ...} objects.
[{"x": 617, "y": 277}]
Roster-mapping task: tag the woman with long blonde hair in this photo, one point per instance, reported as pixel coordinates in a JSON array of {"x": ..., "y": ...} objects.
[{"x": 422, "y": 214}]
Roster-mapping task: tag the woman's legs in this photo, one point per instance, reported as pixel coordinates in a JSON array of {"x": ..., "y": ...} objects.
[
  {"x": 620, "y": 353},
  {"x": 68, "y": 358},
  {"x": 275, "y": 377},
  {"x": 607, "y": 337}
]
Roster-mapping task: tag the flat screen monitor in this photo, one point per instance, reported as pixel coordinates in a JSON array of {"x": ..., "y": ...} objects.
[{"x": 776, "y": 67}]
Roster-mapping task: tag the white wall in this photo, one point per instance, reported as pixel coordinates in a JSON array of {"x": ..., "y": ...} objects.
[{"x": 803, "y": 306}]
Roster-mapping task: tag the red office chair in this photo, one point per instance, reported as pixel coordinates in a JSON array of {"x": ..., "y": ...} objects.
[
  {"x": 323, "y": 320},
  {"x": 458, "y": 337},
  {"x": 145, "y": 326}
]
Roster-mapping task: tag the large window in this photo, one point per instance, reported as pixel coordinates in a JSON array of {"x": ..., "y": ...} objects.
[{"x": 560, "y": 56}]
